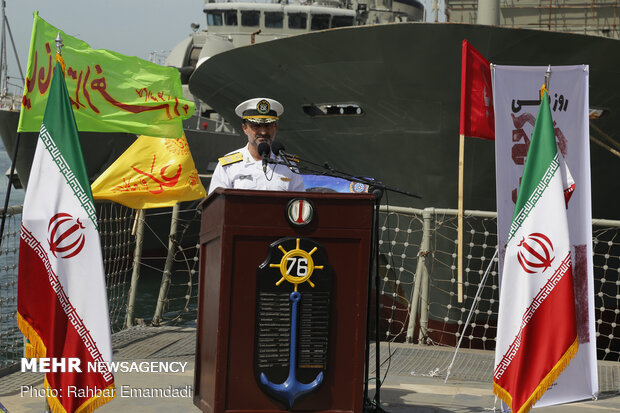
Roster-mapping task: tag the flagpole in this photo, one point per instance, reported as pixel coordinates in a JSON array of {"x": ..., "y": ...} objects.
[{"x": 460, "y": 220}]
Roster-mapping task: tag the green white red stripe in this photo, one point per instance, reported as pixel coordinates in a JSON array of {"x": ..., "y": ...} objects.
[
  {"x": 537, "y": 333},
  {"x": 62, "y": 304}
]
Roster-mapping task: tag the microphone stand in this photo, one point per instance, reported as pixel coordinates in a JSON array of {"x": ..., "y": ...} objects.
[
  {"x": 377, "y": 189},
  {"x": 327, "y": 170}
]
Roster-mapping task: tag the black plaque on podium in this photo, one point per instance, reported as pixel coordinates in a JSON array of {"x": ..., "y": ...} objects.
[{"x": 293, "y": 300}]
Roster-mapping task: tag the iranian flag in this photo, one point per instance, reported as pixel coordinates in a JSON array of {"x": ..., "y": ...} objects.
[
  {"x": 61, "y": 303},
  {"x": 537, "y": 333}
]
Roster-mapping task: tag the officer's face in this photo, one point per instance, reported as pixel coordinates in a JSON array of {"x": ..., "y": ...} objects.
[{"x": 260, "y": 132}]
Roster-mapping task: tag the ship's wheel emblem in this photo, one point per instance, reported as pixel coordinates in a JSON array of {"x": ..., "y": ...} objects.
[
  {"x": 296, "y": 266},
  {"x": 66, "y": 235},
  {"x": 535, "y": 253}
]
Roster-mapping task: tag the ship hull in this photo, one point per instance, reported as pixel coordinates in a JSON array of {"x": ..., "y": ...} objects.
[
  {"x": 100, "y": 150},
  {"x": 406, "y": 78}
]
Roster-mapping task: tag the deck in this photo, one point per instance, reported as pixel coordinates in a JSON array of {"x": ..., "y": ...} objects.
[{"x": 414, "y": 382}]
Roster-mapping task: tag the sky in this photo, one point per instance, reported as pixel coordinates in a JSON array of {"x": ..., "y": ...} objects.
[{"x": 131, "y": 27}]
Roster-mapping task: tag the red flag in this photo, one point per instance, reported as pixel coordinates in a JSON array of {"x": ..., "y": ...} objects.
[{"x": 477, "y": 116}]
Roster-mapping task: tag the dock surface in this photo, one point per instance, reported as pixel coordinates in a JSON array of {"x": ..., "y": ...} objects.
[{"x": 414, "y": 381}]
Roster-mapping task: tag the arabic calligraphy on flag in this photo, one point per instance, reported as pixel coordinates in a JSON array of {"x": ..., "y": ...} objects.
[
  {"x": 151, "y": 173},
  {"x": 109, "y": 92}
]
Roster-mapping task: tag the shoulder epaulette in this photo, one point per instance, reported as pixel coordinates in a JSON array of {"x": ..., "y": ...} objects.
[{"x": 230, "y": 159}]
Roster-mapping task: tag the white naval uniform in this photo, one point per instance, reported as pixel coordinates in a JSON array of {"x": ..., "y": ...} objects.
[{"x": 248, "y": 174}]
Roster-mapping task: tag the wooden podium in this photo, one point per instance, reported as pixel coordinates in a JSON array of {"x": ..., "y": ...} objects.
[{"x": 245, "y": 236}]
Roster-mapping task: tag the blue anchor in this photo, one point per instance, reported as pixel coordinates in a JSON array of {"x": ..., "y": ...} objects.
[{"x": 291, "y": 389}]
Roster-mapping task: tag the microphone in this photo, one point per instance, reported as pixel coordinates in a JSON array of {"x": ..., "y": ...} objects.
[
  {"x": 263, "y": 150},
  {"x": 278, "y": 150}
]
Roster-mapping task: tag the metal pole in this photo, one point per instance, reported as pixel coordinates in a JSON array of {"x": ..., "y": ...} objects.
[
  {"x": 19, "y": 66},
  {"x": 488, "y": 12},
  {"x": 371, "y": 266},
  {"x": 427, "y": 215},
  {"x": 135, "y": 275},
  {"x": 165, "y": 280},
  {"x": 377, "y": 302},
  {"x": 424, "y": 288},
  {"x": 3, "y": 59}
]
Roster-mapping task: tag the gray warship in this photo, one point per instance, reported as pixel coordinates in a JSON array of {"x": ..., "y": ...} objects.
[
  {"x": 372, "y": 90},
  {"x": 381, "y": 97}
]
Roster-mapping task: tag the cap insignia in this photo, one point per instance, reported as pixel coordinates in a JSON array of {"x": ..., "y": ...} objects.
[{"x": 263, "y": 107}]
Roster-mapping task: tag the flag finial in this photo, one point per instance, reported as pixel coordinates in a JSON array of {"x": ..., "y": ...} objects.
[
  {"x": 58, "y": 44},
  {"x": 59, "y": 53},
  {"x": 548, "y": 78},
  {"x": 545, "y": 85}
]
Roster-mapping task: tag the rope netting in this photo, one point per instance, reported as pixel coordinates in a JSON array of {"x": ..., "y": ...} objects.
[
  {"x": 178, "y": 278},
  {"x": 419, "y": 279},
  {"x": 117, "y": 245},
  {"x": 419, "y": 301},
  {"x": 11, "y": 339}
]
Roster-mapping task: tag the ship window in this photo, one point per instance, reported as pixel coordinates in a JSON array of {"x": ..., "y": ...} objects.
[
  {"x": 333, "y": 109},
  {"x": 319, "y": 22},
  {"x": 250, "y": 17},
  {"x": 274, "y": 19},
  {"x": 297, "y": 20},
  {"x": 230, "y": 17},
  {"x": 214, "y": 18},
  {"x": 342, "y": 21}
]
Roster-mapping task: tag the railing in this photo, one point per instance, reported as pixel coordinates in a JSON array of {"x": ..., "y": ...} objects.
[
  {"x": 419, "y": 269},
  {"x": 11, "y": 341},
  {"x": 153, "y": 279}
]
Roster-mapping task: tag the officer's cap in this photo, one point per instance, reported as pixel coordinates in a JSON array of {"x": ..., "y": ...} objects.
[{"x": 260, "y": 110}]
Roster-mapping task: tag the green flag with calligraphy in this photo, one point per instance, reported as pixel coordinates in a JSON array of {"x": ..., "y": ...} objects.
[{"x": 109, "y": 92}]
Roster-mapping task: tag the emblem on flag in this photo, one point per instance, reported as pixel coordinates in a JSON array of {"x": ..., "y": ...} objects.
[
  {"x": 66, "y": 238},
  {"x": 535, "y": 253}
]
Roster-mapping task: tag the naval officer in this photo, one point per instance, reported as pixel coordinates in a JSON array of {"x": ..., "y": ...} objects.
[{"x": 244, "y": 168}]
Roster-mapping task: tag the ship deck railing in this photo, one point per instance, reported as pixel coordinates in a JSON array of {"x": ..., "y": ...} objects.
[{"x": 152, "y": 277}]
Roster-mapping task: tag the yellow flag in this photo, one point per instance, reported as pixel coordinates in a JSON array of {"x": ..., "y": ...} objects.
[{"x": 151, "y": 173}]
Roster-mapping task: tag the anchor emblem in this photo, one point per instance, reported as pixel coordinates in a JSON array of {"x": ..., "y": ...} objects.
[
  {"x": 291, "y": 389},
  {"x": 292, "y": 326}
]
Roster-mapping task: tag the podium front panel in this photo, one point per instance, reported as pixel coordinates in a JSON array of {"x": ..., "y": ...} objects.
[{"x": 237, "y": 230}]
